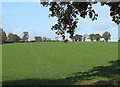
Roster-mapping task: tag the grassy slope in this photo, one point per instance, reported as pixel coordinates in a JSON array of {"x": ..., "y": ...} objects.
[{"x": 54, "y": 60}]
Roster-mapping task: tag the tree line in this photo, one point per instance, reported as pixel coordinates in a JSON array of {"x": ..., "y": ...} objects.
[
  {"x": 11, "y": 38},
  {"x": 106, "y": 35}
]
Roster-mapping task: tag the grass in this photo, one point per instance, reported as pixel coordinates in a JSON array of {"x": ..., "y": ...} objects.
[{"x": 53, "y": 63}]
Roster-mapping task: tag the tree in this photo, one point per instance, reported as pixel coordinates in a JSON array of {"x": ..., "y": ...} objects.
[
  {"x": 3, "y": 36},
  {"x": 97, "y": 37},
  {"x": 25, "y": 36},
  {"x": 17, "y": 38},
  {"x": 80, "y": 38},
  {"x": 45, "y": 39},
  {"x": 38, "y": 39},
  {"x": 13, "y": 38},
  {"x": 67, "y": 14},
  {"x": 91, "y": 37},
  {"x": 106, "y": 35},
  {"x": 119, "y": 39},
  {"x": 77, "y": 38},
  {"x": 73, "y": 38},
  {"x": 85, "y": 36}
]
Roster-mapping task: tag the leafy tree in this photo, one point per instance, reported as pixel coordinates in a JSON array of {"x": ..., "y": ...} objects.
[
  {"x": 97, "y": 37},
  {"x": 13, "y": 38},
  {"x": 25, "y": 36},
  {"x": 106, "y": 35},
  {"x": 73, "y": 38},
  {"x": 91, "y": 37},
  {"x": 3, "y": 36},
  {"x": 77, "y": 38},
  {"x": 38, "y": 39},
  {"x": 80, "y": 38},
  {"x": 17, "y": 38},
  {"x": 67, "y": 14}
]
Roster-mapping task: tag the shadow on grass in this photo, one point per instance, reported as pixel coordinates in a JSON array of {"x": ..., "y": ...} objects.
[{"x": 110, "y": 72}]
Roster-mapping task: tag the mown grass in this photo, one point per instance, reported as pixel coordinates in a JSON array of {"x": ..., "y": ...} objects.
[{"x": 57, "y": 63}]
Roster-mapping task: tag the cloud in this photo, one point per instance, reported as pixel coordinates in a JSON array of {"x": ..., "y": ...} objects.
[
  {"x": 34, "y": 32},
  {"x": 19, "y": 31},
  {"x": 104, "y": 21},
  {"x": 51, "y": 34},
  {"x": 103, "y": 24}
]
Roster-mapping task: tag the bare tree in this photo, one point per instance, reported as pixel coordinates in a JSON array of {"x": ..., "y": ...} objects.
[{"x": 85, "y": 36}]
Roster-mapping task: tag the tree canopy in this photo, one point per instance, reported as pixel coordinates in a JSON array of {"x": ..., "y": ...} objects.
[
  {"x": 69, "y": 12},
  {"x": 25, "y": 36},
  {"x": 13, "y": 38},
  {"x": 106, "y": 35},
  {"x": 3, "y": 36}
]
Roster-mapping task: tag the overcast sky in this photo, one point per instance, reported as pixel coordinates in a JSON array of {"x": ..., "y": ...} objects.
[{"x": 18, "y": 17}]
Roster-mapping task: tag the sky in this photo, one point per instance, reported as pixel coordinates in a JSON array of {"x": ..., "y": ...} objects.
[{"x": 32, "y": 17}]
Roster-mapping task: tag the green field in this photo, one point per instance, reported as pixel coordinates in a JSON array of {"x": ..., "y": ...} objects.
[{"x": 57, "y": 63}]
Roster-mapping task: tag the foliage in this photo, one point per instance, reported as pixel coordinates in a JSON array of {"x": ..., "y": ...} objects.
[
  {"x": 91, "y": 37},
  {"x": 97, "y": 37},
  {"x": 3, "y": 36},
  {"x": 106, "y": 35},
  {"x": 67, "y": 14},
  {"x": 119, "y": 40},
  {"x": 25, "y": 36},
  {"x": 13, "y": 38},
  {"x": 77, "y": 38},
  {"x": 38, "y": 39}
]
